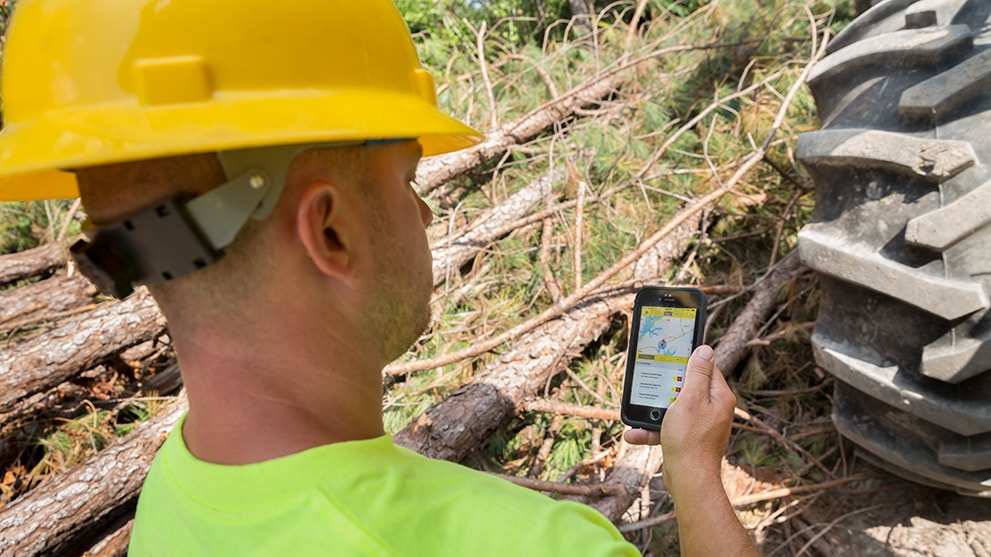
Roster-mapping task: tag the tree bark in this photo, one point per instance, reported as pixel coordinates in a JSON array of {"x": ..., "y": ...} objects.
[
  {"x": 41, "y": 363},
  {"x": 633, "y": 470},
  {"x": 451, "y": 253},
  {"x": 57, "y": 517},
  {"x": 42, "y": 300},
  {"x": 115, "y": 544},
  {"x": 31, "y": 263}
]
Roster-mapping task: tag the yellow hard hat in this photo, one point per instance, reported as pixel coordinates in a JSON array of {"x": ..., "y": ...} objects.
[{"x": 90, "y": 82}]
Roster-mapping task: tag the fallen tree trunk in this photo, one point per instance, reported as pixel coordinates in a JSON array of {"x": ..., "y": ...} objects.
[
  {"x": 43, "y": 300},
  {"x": 450, "y": 254},
  {"x": 57, "y": 517},
  {"x": 41, "y": 363},
  {"x": 31, "y": 263},
  {"x": 632, "y": 470}
]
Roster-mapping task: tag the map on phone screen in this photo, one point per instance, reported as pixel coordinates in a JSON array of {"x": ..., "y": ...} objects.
[{"x": 664, "y": 344}]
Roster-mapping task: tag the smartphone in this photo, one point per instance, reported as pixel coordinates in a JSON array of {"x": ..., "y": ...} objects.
[{"x": 668, "y": 324}]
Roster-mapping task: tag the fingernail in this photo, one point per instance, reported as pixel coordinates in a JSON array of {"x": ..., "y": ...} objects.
[{"x": 705, "y": 352}]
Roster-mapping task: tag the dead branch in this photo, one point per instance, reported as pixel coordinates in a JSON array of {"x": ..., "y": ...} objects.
[
  {"x": 566, "y": 409},
  {"x": 41, "y": 363},
  {"x": 780, "y": 438},
  {"x": 437, "y": 171},
  {"x": 56, "y": 517},
  {"x": 452, "y": 428},
  {"x": 31, "y": 263},
  {"x": 455, "y": 426},
  {"x": 689, "y": 214},
  {"x": 734, "y": 345},
  {"x": 38, "y": 406},
  {"x": 587, "y": 490},
  {"x": 650, "y": 458},
  {"x": 632, "y": 471}
]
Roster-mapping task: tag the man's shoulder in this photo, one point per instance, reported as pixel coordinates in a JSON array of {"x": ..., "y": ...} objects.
[{"x": 394, "y": 498}]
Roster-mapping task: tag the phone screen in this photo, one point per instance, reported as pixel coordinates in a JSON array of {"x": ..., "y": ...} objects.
[
  {"x": 664, "y": 343},
  {"x": 667, "y": 326}
]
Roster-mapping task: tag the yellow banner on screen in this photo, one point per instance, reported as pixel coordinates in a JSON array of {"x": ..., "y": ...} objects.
[
  {"x": 677, "y": 313},
  {"x": 663, "y": 358}
]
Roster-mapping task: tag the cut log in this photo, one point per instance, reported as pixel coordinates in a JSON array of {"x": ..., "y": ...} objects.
[
  {"x": 38, "y": 406},
  {"x": 450, "y": 254},
  {"x": 632, "y": 470},
  {"x": 31, "y": 263},
  {"x": 43, "y": 300},
  {"x": 41, "y": 363},
  {"x": 59, "y": 516}
]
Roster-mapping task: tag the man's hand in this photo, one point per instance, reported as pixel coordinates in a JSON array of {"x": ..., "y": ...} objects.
[
  {"x": 694, "y": 435},
  {"x": 699, "y": 419},
  {"x": 696, "y": 427}
]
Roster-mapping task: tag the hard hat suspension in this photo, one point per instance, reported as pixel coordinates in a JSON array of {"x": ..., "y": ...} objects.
[{"x": 177, "y": 237}]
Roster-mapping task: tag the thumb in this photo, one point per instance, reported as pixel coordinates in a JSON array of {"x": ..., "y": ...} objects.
[{"x": 698, "y": 377}]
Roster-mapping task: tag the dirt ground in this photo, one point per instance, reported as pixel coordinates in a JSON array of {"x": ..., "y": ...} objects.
[
  {"x": 903, "y": 519},
  {"x": 883, "y": 516}
]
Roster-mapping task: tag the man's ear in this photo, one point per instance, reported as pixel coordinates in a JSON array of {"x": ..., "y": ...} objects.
[{"x": 320, "y": 227}]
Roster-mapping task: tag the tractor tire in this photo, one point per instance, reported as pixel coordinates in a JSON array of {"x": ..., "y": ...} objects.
[{"x": 901, "y": 237}]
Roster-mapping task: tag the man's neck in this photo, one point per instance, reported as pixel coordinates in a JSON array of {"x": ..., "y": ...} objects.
[{"x": 281, "y": 393}]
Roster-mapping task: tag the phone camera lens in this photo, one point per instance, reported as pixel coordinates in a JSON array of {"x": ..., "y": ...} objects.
[{"x": 655, "y": 414}]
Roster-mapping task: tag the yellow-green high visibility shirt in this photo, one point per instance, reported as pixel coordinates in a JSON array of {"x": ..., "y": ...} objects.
[{"x": 356, "y": 498}]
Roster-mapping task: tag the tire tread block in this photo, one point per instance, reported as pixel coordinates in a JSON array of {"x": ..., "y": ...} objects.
[
  {"x": 944, "y": 227},
  {"x": 866, "y": 23},
  {"x": 964, "y": 417},
  {"x": 966, "y": 453},
  {"x": 952, "y": 89},
  {"x": 933, "y": 159},
  {"x": 833, "y": 255},
  {"x": 909, "y": 47},
  {"x": 895, "y": 437},
  {"x": 928, "y": 13},
  {"x": 955, "y": 360}
]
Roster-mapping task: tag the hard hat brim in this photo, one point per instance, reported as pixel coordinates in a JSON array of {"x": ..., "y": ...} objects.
[{"x": 34, "y": 159}]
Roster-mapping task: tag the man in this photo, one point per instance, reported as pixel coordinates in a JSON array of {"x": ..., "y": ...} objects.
[{"x": 252, "y": 164}]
